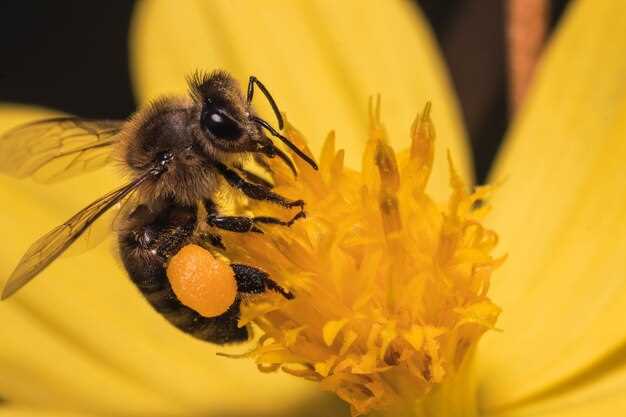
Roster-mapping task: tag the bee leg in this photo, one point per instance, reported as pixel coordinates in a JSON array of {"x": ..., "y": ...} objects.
[
  {"x": 286, "y": 141},
  {"x": 251, "y": 177},
  {"x": 216, "y": 241},
  {"x": 255, "y": 191},
  {"x": 241, "y": 224},
  {"x": 145, "y": 266},
  {"x": 252, "y": 280}
]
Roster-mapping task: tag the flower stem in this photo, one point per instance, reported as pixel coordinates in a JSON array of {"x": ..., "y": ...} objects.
[{"x": 526, "y": 32}]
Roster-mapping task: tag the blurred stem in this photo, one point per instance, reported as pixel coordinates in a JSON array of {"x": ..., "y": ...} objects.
[{"x": 526, "y": 31}]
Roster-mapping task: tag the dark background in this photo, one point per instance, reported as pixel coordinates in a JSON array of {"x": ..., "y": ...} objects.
[{"x": 39, "y": 43}]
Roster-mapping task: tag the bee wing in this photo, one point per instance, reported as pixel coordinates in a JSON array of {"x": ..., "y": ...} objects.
[
  {"x": 53, "y": 149},
  {"x": 104, "y": 227},
  {"x": 52, "y": 245}
]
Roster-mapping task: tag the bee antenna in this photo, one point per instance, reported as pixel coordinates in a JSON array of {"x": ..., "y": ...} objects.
[
  {"x": 254, "y": 81},
  {"x": 286, "y": 141}
]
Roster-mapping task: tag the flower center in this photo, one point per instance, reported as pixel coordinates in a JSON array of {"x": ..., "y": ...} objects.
[{"x": 390, "y": 287}]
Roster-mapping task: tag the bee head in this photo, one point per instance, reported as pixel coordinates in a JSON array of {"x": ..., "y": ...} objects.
[{"x": 224, "y": 116}]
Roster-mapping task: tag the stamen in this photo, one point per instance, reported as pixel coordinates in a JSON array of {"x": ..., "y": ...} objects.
[{"x": 391, "y": 286}]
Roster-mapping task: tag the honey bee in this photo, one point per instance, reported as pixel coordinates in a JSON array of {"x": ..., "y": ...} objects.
[{"x": 177, "y": 152}]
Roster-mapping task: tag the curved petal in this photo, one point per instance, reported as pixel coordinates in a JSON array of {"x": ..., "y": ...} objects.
[
  {"x": 561, "y": 213},
  {"x": 12, "y": 410},
  {"x": 605, "y": 397},
  {"x": 321, "y": 60},
  {"x": 81, "y": 337}
]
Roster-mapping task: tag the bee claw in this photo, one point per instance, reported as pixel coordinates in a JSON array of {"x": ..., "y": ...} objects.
[
  {"x": 299, "y": 215},
  {"x": 296, "y": 203}
]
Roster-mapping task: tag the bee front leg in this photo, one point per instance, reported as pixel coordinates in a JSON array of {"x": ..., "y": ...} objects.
[
  {"x": 252, "y": 280},
  {"x": 254, "y": 191}
]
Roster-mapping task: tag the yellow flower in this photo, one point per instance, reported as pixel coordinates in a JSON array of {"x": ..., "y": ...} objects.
[
  {"x": 391, "y": 289},
  {"x": 76, "y": 341}
]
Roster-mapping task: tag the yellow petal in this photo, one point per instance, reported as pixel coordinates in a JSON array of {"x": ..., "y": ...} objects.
[
  {"x": 602, "y": 397},
  {"x": 81, "y": 337},
  {"x": 320, "y": 59},
  {"x": 13, "y": 410},
  {"x": 561, "y": 213}
]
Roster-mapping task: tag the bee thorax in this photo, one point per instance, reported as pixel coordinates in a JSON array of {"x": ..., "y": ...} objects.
[{"x": 182, "y": 184}]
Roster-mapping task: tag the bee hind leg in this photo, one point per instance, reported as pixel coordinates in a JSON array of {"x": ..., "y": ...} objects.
[{"x": 251, "y": 280}]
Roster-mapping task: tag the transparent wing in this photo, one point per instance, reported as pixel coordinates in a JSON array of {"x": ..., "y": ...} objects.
[
  {"x": 53, "y": 149},
  {"x": 104, "y": 227},
  {"x": 44, "y": 251}
]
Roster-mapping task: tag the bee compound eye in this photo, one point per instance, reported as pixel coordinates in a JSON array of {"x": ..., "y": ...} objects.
[{"x": 220, "y": 124}]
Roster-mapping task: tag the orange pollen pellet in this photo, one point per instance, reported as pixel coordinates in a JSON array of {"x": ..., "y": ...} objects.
[{"x": 202, "y": 282}]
